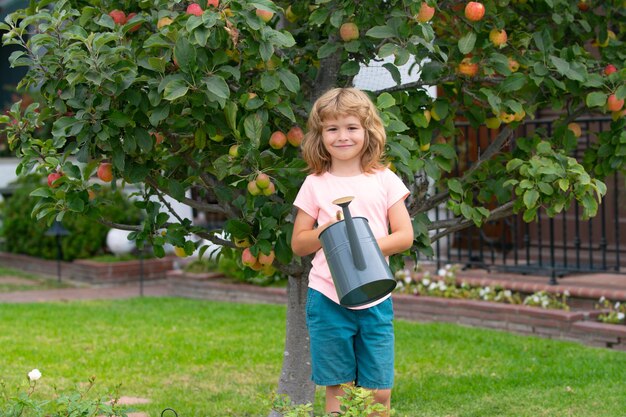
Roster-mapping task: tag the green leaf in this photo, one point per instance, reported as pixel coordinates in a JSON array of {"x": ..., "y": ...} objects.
[
  {"x": 185, "y": 54},
  {"x": 289, "y": 80},
  {"x": 327, "y": 50},
  {"x": 269, "y": 82},
  {"x": 237, "y": 228},
  {"x": 283, "y": 250},
  {"x": 530, "y": 198},
  {"x": 596, "y": 99},
  {"x": 385, "y": 100},
  {"x": 230, "y": 111},
  {"x": 455, "y": 186},
  {"x": 174, "y": 89},
  {"x": 381, "y": 32},
  {"x": 286, "y": 110},
  {"x": 217, "y": 86},
  {"x": 513, "y": 83},
  {"x": 253, "y": 127},
  {"x": 159, "y": 114},
  {"x": 467, "y": 42},
  {"x": 394, "y": 71}
]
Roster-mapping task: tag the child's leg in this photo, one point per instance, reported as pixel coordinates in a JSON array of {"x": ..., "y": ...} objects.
[
  {"x": 383, "y": 396},
  {"x": 332, "y": 402}
]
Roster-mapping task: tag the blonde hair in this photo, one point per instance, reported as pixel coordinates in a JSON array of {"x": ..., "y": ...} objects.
[{"x": 344, "y": 102}]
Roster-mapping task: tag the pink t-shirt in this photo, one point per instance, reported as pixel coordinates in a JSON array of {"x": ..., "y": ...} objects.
[{"x": 373, "y": 195}]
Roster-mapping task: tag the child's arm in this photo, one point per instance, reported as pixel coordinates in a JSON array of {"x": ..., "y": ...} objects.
[
  {"x": 401, "y": 237},
  {"x": 305, "y": 239}
]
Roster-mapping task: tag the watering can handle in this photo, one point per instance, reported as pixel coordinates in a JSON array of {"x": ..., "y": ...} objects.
[{"x": 353, "y": 238}]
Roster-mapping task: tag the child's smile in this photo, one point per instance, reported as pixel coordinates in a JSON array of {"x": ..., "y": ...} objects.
[{"x": 344, "y": 139}]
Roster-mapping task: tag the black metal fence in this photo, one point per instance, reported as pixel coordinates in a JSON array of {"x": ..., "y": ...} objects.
[{"x": 556, "y": 247}]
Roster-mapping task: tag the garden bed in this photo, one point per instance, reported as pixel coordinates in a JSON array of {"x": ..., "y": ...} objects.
[
  {"x": 92, "y": 272},
  {"x": 579, "y": 326}
]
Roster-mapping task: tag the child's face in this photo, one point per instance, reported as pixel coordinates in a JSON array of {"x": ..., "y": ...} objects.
[{"x": 343, "y": 138}]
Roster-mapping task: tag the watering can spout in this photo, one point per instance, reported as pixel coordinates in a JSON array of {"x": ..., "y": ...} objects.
[{"x": 353, "y": 238}]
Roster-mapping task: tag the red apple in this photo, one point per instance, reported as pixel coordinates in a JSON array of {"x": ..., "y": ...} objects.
[
  {"x": 233, "y": 151},
  {"x": 349, "y": 32},
  {"x": 265, "y": 15},
  {"x": 266, "y": 259},
  {"x": 513, "y": 65},
  {"x": 474, "y": 11},
  {"x": 467, "y": 67},
  {"x": 610, "y": 69},
  {"x": 253, "y": 189},
  {"x": 498, "y": 37},
  {"x": 164, "y": 21},
  {"x": 247, "y": 258},
  {"x": 278, "y": 140},
  {"x": 118, "y": 16},
  {"x": 52, "y": 178},
  {"x": 263, "y": 180},
  {"x": 158, "y": 137},
  {"x": 295, "y": 136},
  {"x": 425, "y": 14},
  {"x": 213, "y": 3},
  {"x": 105, "y": 172},
  {"x": 194, "y": 9},
  {"x": 613, "y": 104},
  {"x": 137, "y": 26},
  {"x": 269, "y": 190},
  {"x": 583, "y": 5},
  {"x": 575, "y": 128}
]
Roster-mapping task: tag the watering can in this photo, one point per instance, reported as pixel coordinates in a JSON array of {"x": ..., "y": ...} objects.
[{"x": 359, "y": 269}]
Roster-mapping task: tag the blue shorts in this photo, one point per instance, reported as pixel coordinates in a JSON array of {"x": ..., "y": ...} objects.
[{"x": 350, "y": 345}]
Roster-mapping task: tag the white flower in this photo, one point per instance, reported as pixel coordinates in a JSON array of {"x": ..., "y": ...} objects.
[
  {"x": 425, "y": 282},
  {"x": 620, "y": 316},
  {"x": 441, "y": 272},
  {"x": 432, "y": 286},
  {"x": 34, "y": 375},
  {"x": 407, "y": 280},
  {"x": 601, "y": 300},
  {"x": 507, "y": 293},
  {"x": 442, "y": 286},
  {"x": 566, "y": 293},
  {"x": 448, "y": 267},
  {"x": 617, "y": 304},
  {"x": 545, "y": 303}
]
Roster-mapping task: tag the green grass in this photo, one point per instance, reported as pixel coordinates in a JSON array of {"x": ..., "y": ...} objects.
[
  {"x": 218, "y": 359},
  {"x": 36, "y": 282}
]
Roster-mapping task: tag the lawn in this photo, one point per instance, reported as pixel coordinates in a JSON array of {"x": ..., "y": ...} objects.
[
  {"x": 16, "y": 280},
  {"x": 217, "y": 359}
]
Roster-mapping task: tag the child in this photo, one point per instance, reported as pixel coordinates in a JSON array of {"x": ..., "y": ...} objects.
[{"x": 343, "y": 149}]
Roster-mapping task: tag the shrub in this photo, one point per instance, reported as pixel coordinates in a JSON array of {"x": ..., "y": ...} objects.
[
  {"x": 445, "y": 284},
  {"x": 80, "y": 402},
  {"x": 614, "y": 312},
  {"x": 87, "y": 238}
]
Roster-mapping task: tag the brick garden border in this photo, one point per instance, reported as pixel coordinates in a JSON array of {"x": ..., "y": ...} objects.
[
  {"x": 91, "y": 272},
  {"x": 577, "y": 326}
]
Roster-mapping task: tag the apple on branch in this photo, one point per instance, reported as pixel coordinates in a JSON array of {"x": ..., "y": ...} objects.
[
  {"x": 194, "y": 9},
  {"x": 610, "y": 69},
  {"x": 295, "y": 136},
  {"x": 474, "y": 11},
  {"x": 265, "y": 15},
  {"x": 498, "y": 37},
  {"x": 105, "y": 172},
  {"x": 118, "y": 16},
  {"x": 425, "y": 13},
  {"x": 575, "y": 128},
  {"x": 613, "y": 104},
  {"x": 278, "y": 140},
  {"x": 349, "y": 31},
  {"x": 467, "y": 67},
  {"x": 52, "y": 178}
]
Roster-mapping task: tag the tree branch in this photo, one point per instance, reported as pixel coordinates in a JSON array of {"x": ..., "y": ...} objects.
[{"x": 453, "y": 225}]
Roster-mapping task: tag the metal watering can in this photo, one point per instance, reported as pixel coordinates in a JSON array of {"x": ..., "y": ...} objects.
[{"x": 359, "y": 269}]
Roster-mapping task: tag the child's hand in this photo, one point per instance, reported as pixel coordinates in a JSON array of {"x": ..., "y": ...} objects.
[{"x": 339, "y": 215}]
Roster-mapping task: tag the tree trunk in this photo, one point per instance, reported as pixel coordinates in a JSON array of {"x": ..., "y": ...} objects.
[{"x": 295, "y": 377}]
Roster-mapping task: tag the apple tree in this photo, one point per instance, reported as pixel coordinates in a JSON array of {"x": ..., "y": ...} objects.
[{"x": 212, "y": 96}]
